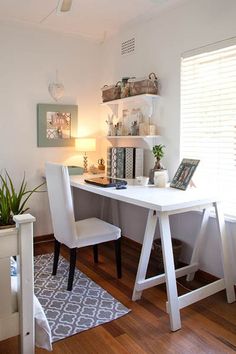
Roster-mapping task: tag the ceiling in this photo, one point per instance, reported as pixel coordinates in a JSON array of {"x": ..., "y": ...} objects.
[{"x": 95, "y": 19}]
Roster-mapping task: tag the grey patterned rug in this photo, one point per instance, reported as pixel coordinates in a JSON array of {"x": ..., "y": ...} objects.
[{"x": 70, "y": 312}]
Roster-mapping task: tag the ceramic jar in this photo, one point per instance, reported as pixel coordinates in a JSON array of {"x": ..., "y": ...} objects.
[{"x": 161, "y": 178}]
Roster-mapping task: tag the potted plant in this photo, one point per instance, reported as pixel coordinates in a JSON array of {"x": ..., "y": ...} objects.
[
  {"x": 13, "y": 202},
  {"x": 158, "y": 152},
  {"x": 5, "y": 210}
]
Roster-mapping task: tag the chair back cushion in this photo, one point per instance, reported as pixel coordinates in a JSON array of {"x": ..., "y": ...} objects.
[{"x": 61, "y": 203}]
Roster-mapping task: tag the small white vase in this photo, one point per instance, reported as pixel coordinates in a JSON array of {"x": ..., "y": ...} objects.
[{"x": 161, "y": 178}]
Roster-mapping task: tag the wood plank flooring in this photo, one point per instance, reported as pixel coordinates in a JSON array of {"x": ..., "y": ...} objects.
[{"x": 208, "y": 326}]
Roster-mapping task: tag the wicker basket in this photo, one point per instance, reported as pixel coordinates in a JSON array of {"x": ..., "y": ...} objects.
[
  {"x": 141, "y": 86},
  {"x": 157, "y": 252},
  {"x": 110, "y": 93}
]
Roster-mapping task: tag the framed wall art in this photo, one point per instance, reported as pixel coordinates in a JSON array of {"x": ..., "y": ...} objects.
[
  {"x": 56, "y": 125},
  {"x": 184, "y": 173}
]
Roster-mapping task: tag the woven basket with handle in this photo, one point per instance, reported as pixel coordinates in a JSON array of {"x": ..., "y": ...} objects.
[
  {"x": 141, "y": 86},
  {"x": 157, "y": 252}
]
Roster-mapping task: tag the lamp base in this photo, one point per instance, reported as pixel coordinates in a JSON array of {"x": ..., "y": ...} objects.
[{"x": 85, "y": 163}]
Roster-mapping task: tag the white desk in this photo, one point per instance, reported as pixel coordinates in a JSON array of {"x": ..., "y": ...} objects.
[{"x": 161, "y": 203}]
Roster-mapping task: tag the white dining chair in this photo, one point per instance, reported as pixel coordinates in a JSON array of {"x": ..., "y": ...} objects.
[{"x": 75, "y": 234}]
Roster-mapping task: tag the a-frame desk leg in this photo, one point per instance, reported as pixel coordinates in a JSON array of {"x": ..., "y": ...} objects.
[
  {"x": 145, "y": 252},
  {"x": 171, "y": 287}
]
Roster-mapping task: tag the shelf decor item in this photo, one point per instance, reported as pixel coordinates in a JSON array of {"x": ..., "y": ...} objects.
[
  {"x": 110, "y": 93},
  {"x": 152, "y": 129},
  {"x": 110, "y": 124},
  {"x": 158, "y": 152},
  {"x": 143, "y": 85},
  {"x": 184, "y": 173},
  {"x": 101, "y": 164},
  {"x": 134, "y": 128},
  {"x": 124, "y": 87}
]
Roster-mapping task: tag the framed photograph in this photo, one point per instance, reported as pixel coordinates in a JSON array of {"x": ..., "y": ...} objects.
[
  {"x": 184, "y": 173},
  {"x": 56, "y": 125}
]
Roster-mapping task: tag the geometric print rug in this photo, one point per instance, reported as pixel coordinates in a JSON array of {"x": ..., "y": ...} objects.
[{"x": 70, "y": 312}]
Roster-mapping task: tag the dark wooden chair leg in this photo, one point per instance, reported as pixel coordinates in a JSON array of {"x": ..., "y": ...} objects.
[
  {"x": 118, "y": 257},
  {"x": 57, "y": 246},
  {"x": 95, "y": 253},
  {"x": 72, "y": 268}
]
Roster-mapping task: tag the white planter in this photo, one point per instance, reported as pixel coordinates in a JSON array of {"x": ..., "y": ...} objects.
[{"x": 161, "y": 178}]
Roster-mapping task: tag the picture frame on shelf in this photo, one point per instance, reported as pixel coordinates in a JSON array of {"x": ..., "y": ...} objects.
[
  {"x": 184, "y": 173},
  {"x": 56, "y": 125}
]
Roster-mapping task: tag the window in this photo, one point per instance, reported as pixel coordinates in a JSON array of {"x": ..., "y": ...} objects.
[{"x": 208, "y": 118}]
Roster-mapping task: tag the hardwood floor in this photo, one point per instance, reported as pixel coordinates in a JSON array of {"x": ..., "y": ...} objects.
[{"x": 208, "y": 326}]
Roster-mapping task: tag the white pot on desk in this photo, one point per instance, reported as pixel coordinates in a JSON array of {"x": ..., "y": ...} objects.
[{"x": 161, "y": 178}]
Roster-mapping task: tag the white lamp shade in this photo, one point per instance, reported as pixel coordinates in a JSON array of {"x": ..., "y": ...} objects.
[{"x": 85, "y": 144}]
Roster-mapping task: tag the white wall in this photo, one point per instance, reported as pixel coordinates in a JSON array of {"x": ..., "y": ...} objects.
[
  {"x": 29, "y": 59},
  {"x": 159, "y": 45}
]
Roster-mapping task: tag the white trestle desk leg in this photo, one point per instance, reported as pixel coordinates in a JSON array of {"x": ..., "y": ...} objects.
[
  {"x": 145, "y": 252},
  {"x": 199, "y": 240},
  {"x": 174, "y": 313},
  {"x": 229, "y": 285}
]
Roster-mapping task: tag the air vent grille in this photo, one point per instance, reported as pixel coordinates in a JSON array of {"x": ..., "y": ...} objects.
[{"x": 128, "y": 46}]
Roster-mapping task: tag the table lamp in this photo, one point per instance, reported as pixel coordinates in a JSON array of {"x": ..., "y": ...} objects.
[{"x": 85, "y": 145}]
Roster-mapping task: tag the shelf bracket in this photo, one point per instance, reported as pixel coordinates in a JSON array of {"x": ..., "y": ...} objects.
[
  {"x": 150, "y": 103},
  {"x": 114, "y": 108},
  {"x": 118, "y": 105}
]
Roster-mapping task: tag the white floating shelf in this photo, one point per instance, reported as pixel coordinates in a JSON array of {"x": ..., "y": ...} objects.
[
  {"x": 145, "y": 96},
  {"x": 148, "y": 140}
]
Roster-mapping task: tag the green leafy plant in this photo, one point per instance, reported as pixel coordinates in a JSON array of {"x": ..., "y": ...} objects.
[
  {"x": 13, "y": 202},
  {"x": 5, "y": 210},
  {"x": 158, "y": 152}
]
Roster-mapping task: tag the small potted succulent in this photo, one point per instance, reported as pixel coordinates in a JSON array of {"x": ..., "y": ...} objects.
[
  {"x": 158, "y": 152},
  {"x": 13, "y": 202}
]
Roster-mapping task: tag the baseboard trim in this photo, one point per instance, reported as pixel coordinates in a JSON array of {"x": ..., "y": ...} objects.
[
  {"x": 131, "y": 243},
  {"x": 43, "y": 238},
  {"x": 205, "y": 277}
]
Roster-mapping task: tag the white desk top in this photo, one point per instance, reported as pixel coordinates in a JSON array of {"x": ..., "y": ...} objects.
[{"x": 151, "y": 197}]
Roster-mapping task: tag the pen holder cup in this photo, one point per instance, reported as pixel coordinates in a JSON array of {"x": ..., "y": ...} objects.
[{"x": 161, "y": 178}]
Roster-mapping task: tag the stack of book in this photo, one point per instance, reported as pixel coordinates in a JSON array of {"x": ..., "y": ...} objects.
[{"x": 124, "y": 162}]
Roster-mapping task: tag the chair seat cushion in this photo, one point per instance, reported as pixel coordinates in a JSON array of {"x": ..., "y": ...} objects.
[{"x": 93, "y": 231}]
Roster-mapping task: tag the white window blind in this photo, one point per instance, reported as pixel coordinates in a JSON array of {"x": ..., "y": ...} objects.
[{"x": 208, "y": 120}]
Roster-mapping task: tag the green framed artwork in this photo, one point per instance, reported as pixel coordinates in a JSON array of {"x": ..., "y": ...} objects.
[{"x": 56, "y": 125}]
